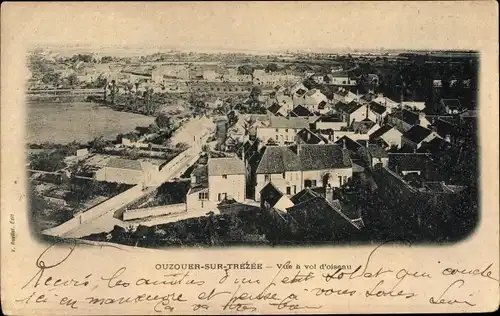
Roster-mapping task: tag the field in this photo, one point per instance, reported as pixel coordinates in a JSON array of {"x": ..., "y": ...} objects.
[{"x": 79, "y": 121}]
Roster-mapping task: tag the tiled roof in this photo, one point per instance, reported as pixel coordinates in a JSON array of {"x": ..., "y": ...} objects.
[
  {"x": 377, "y": 108},
  {"x": 352, "y": 106},
  {"x": 274, "y": 108},
  {"x": 124, "y": 164},
  {"x": 444, "y": 128},
  {"x": 408, "y": 117},
  {"x": 330, "y": 118},
  {"x": 270, "y": 194},
  {"x": 363, "y": 126},
  {"x": 278, "y": 159},
  {"x": 409, "y": 162},
  {"x": 377, "y": 151},
  {"x": 349, "y": 143},
  {"x": 300, "y": 92},
  {"x": 434, "y": 146},
  {"x": 322, "y": 213},
  {"x": 417, "y": 134},
  {"x": 381, "y": 131},
  {"x": 292, "y": 122},
  {"x": 304, "y": 195},
  {"x": 320, "y": 157},
  {"x": 221, "y": 166},
  {"x": 308, "y": 137},
  {"x": 300, "y": 110}
]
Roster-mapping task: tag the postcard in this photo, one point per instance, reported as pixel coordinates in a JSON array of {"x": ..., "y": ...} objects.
[{"x": 249, "y": 158}]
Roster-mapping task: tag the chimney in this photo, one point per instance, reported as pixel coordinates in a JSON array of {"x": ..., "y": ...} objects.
[
  {"x": 343, "y": 144},
  {"x": 421, "y": 117},
  {"x": 367, "y": 109}
]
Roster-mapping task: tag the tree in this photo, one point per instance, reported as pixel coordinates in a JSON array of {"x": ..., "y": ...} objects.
[
  {"x": 164, "y": 121},
  {"x": 48, "y": 162},
  {"x": 113, "y": 91},
  {"x": 73, "y": 80},
  {"x": 245, "y": 70},
  {"x": 52, "y": 78},
  {"x": 98, "y": 143},
  {"x": 272, "y": 67},
  {"x": 255, "y": 93}
]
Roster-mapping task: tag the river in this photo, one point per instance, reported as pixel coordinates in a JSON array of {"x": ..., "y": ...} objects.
[{"x": 78, "y": 121}]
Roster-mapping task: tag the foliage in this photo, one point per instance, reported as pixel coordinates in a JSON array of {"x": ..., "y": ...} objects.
[
  {"x": 86, "y": 58},
  {"x": 82, "y": 190},
  {"x": 48, "y": 161},
  {"x": 245, "y": 70},
  {"x": 106, "y": 59},
  {"x": 164, "y": 121},
  {"x": 73, "y": 80},
  {"x": 181, "y": 146},
  {"x": 272, "y": 67},
  {"x": 99, "y": 143},
  {"x": 38, "y": 66},
  {"x": 52, "y": 78}
]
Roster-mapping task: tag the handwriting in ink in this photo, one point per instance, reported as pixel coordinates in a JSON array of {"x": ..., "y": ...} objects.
[
  {"x": 36, "y": 280},
  {"x": 298, "y": 278},
  {"x": 171, "y": 279},
  {"x": 287, "y": 303},
  {"x": 114, "y": 281},
  {"x": 377, "y": 292},
  {"x": 485, "y": 273},
  {"x": 444, "y": 297}
]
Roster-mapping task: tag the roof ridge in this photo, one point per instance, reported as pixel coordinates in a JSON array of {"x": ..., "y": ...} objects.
[{"x": 341, "y": 214}]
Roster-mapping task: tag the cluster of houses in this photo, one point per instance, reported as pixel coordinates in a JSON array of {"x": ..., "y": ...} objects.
[{"x": 310, "y": 145}]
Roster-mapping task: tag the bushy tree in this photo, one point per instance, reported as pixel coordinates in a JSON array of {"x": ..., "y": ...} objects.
[{"x": 164, "y": 121}]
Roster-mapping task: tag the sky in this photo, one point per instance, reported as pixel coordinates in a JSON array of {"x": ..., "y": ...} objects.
[{"x": 245, "y": 26}]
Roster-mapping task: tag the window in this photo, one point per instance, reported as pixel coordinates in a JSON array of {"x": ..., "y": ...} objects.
[
  {"x": 307, "y": 183},
  {"x": 277, "y": 131},
  {"x": 286, "y": 130},
  {"x": 277, "y": 137},
  {"x": 267, "y": 177},
  {"x": 203, "y": 196},
  {"x": 294, "y": 189},
  {"x": 222, "y": 196},
  {"x": 286, "y": 137},
  {"x": 224, "y": 176},
  {"x": 288, "y": 190},
  {"x": 313, "y": 183},
  {"x": 340, "y": 180}
]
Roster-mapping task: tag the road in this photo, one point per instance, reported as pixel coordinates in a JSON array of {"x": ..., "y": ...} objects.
[
  {"x": 199, "y": 129},
  {"x": 107, "y": 221}
]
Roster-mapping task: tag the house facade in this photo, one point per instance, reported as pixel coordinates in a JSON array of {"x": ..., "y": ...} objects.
[
  {"x": 389, "y": 134},
  {"x": 281, "y": 130},
  {"x": 226, "y": 179},
  {"x": 303, "y": 166}
]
